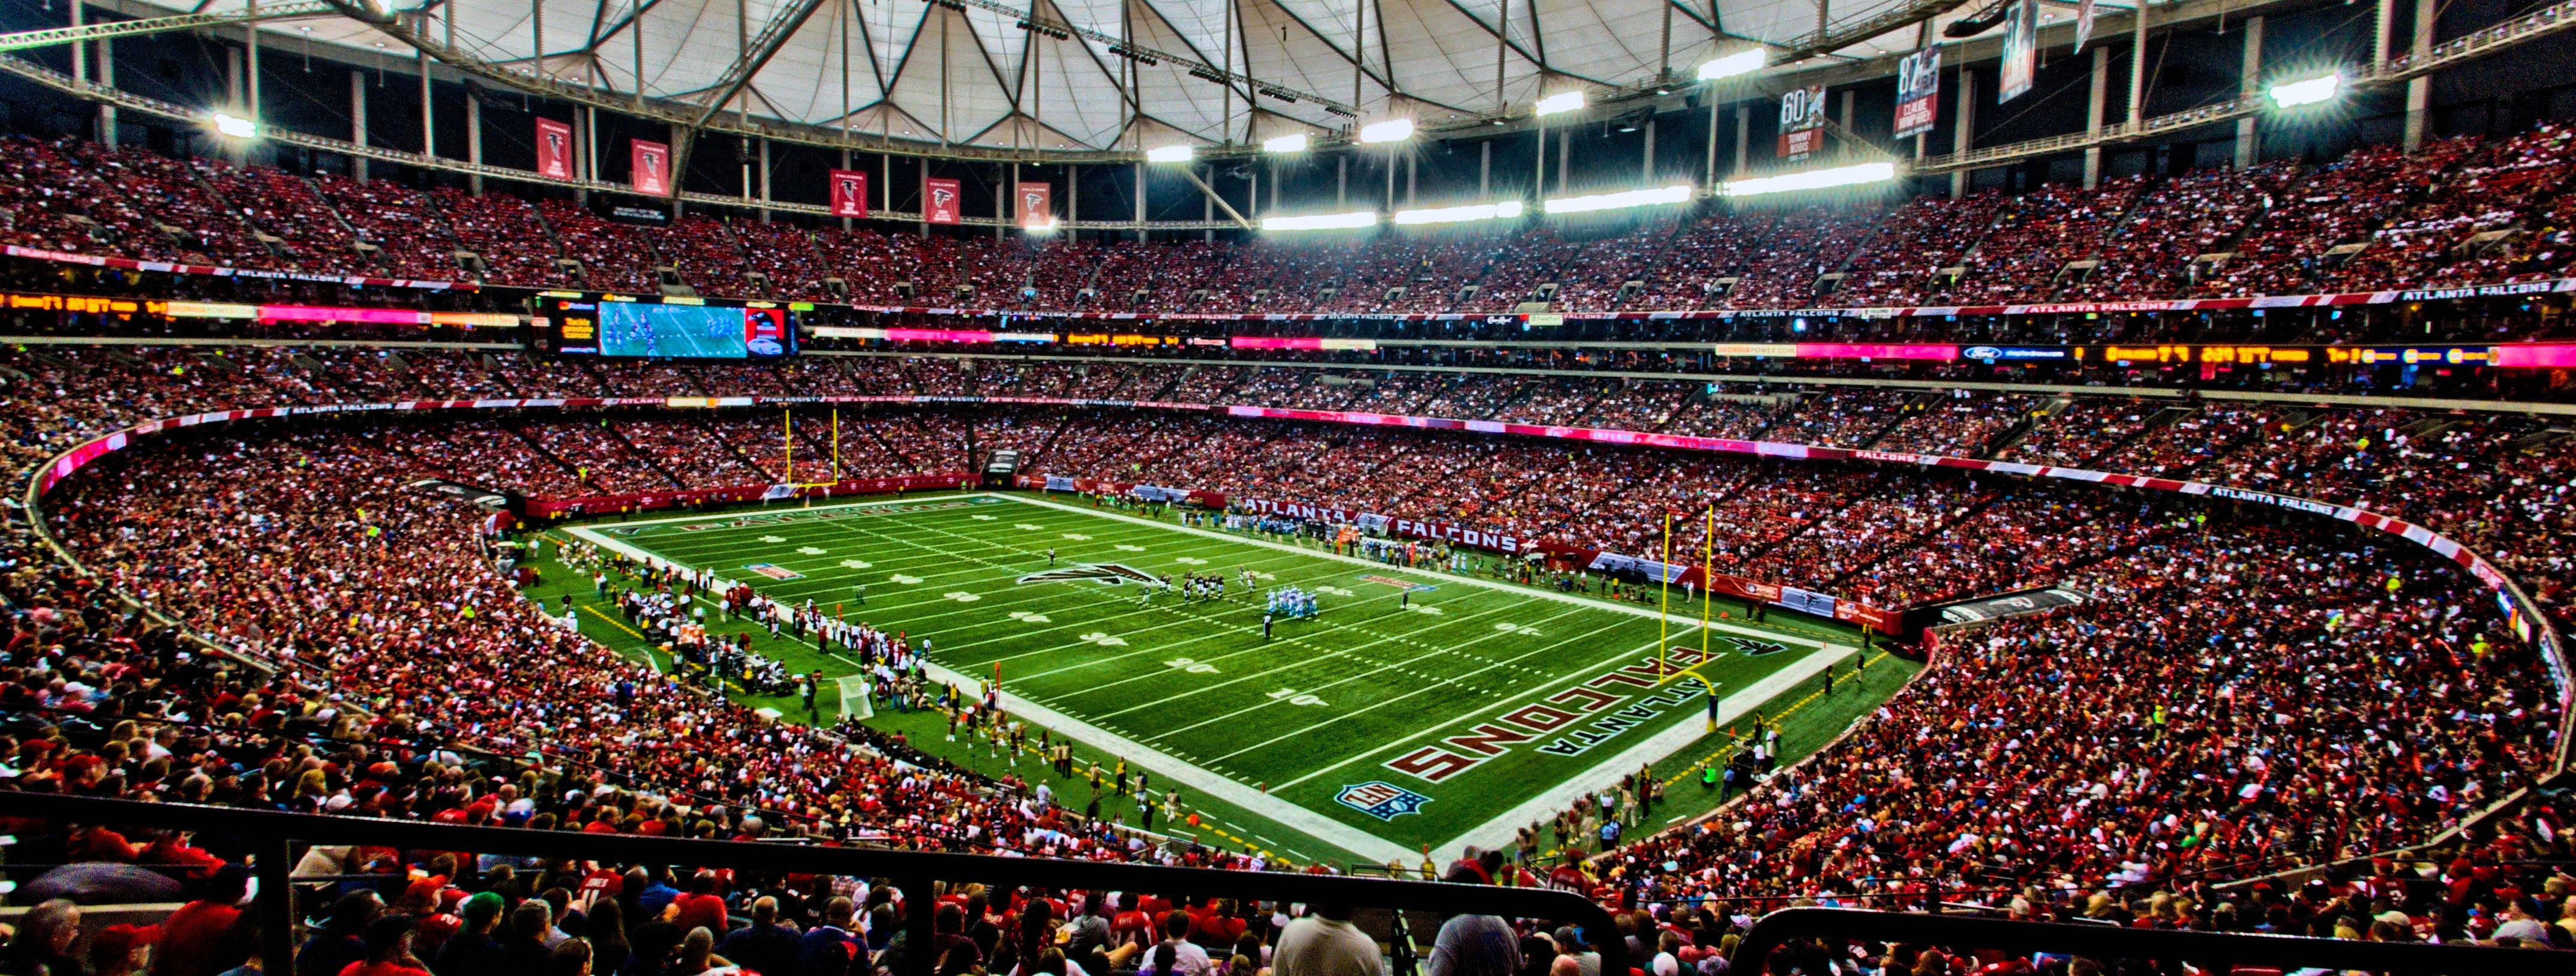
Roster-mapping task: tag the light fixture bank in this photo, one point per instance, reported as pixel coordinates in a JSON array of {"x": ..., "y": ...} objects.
[
  {"x": 1624, "y": 199},
  {"x": 1332, "y": 221},
  {"x": 1391, "y": 130},
  {"x": 1452, "y": 215},
  {"x": 1814, "y": 179}
]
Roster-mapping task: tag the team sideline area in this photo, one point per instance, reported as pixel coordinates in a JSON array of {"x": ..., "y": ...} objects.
[{"x": 1161, "y": 642}]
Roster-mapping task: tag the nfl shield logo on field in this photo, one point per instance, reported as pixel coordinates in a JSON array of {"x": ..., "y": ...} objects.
[{"x": 1384, "y": 801}]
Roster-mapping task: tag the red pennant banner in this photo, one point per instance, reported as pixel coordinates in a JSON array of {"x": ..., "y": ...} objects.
[
  {"x": 849, "y": 193},
  {"x": 652, "y": 174},
  {"x": 1037, "y": 206},
  {"x": 554, "y": 149},
  {"x": 939, "y": 201}
]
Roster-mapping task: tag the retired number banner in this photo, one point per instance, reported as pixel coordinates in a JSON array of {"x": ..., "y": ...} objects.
[
  {"x": 1802, "y": 122},
  {"x": 1918, "y": 92},
  {"x": 2021, "y": 49}
]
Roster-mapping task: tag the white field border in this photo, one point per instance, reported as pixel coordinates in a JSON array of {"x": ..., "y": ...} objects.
[
  {"x": 1495, "y": 832},
  {"x": 1499, "y": 832}
]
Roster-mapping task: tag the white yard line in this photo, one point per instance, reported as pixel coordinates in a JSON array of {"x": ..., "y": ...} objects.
[
  {"x": 1389, "y": 701},
  {"x": 1364, "y": 675},
  {"x": 1500, "y": 831},
  {"x": 1408, "y": 737},
  {"x": 1680, "y": 626},
  {"x": 1348, "y": 837}
]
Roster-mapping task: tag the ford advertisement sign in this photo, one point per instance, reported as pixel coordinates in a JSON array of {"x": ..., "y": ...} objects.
[{"x": 1995, "y": 354}]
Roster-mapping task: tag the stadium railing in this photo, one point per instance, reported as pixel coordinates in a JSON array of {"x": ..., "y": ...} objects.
[
  {"x": 273, "y": 840},
  {"x": 2209, "y": 952}
]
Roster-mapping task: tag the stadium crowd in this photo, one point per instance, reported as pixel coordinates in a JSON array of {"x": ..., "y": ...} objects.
[
  {"x": 2234, "y": 698},
  {"x": 2466, "y": 210}
]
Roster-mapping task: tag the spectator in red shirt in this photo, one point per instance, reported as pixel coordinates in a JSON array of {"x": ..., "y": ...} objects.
[
  {"x": 700, "y": 908},
  {"x": 192, "y": 936},
  {"x": 388, "y": 950}
]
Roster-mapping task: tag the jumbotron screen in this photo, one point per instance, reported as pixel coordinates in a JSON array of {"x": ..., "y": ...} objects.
[{"x": 647, "y": 329}]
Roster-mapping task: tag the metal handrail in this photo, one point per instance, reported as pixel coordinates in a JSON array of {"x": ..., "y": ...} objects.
[
  {"x": 2284, "y": 951},
  {"x": 270, "y": 835}
]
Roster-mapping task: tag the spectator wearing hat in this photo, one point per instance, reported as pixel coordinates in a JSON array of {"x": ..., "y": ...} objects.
[
  {"x": 120, "y": 950},
  {"x": 342, "y": 939},
  {"x": 473, "y": 950}
]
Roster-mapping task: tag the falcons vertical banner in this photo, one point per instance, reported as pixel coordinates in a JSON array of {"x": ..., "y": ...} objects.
[
  {"x": 554, "y": 149},
  {"x": 2021, "y": 49},
  {"x": 1037, "y": 206},
  {"x": 849, "y": 193},
  {"x": 1802, "y": 122},
  {"x": 1918, "y": 92},
  {"x": 2083, "y": 24},
  {"x": 652, "y": 161},
  {"x": 939, "y": 201}
]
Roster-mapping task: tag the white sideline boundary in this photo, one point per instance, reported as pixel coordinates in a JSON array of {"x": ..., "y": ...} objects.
[
  {"x": 765, "y": 510},
  {"x": 1314, "y": 824},
  {"x": 1500, "y": 832}
]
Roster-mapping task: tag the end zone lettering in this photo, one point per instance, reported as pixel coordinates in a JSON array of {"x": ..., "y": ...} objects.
[{"x": 1490, "y": 738}]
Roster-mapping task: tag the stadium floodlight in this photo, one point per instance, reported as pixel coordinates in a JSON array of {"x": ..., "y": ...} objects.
[
  {"x": 1391, "y": 130},
  {"x": 1739, "y": 63},
  {"x": 1334, "y": 221},
  {"x": 236, "y": 126},
  {"x": 1814, "y": 179},
  {"x": 1295, "y": 142},
  {"x": 1171, "y": 154},
  {"x": 2309, "y": 92},
  {"x": 1559, "y": 103},
  {"x": 1676, "y": 193},
  {"x": 1451, "y": 215}
]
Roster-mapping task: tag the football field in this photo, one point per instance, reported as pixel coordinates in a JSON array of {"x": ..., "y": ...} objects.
[{"x": 1416, "y": 707}]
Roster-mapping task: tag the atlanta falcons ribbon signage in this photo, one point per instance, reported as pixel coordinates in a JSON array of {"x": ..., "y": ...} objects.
[
  {"x": 652, "y": 174},
  {"x": 1037, "y": 206},
  {"x": 939, "y": 201},
  {"x": 1802, "y": 122},
  {"x": 849, "y": 193},
  {"x": 1918, "y": 92},
  {"x": 554, "y": 149}
]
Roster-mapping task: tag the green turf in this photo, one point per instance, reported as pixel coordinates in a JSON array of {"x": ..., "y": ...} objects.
[{"x": 1284, "y": 725}]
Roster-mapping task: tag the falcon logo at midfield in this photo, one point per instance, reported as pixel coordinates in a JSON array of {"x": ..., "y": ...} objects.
[{"x": 1105, "y": 574}]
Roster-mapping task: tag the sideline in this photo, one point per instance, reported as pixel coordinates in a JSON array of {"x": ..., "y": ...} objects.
[
  {"x": 1350, "y": 838},
  {"x": 1499, "y": 832}
]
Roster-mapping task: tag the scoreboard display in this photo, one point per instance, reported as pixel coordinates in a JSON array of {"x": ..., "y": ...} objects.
[{"x": 637, "y": 327}]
